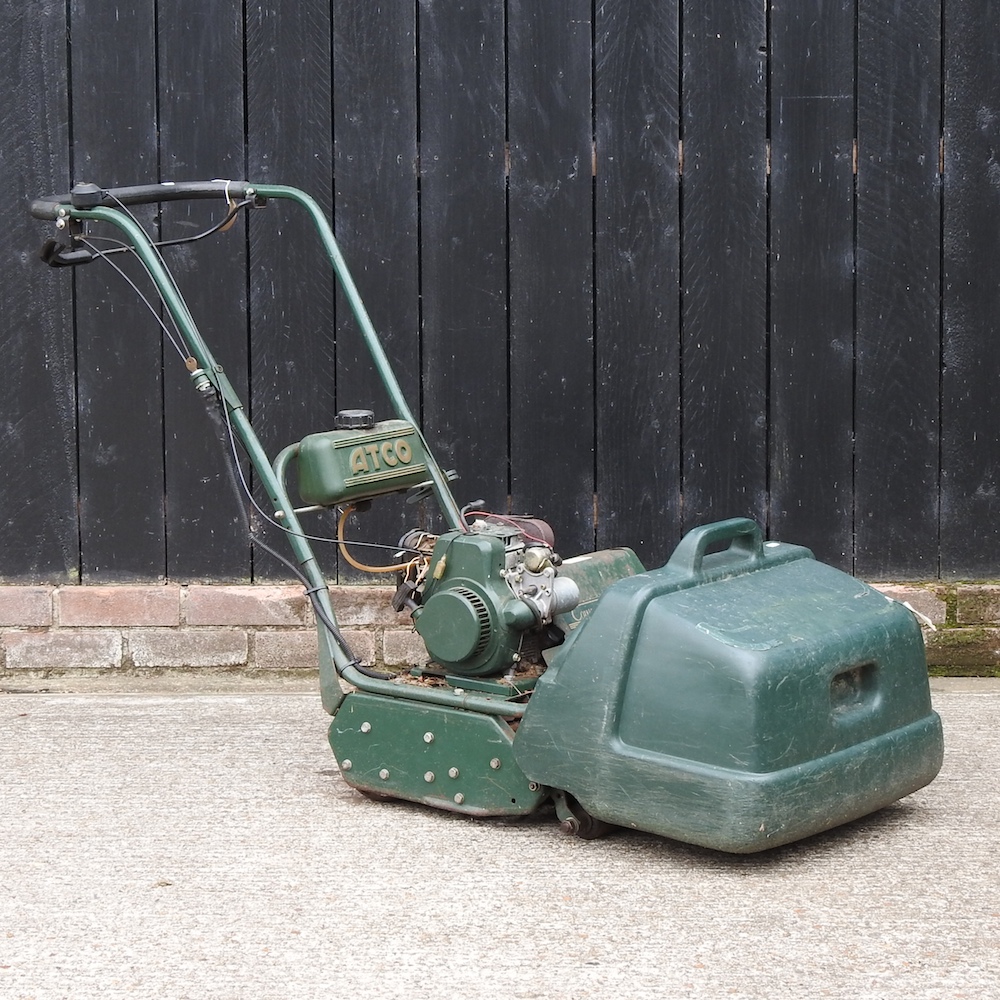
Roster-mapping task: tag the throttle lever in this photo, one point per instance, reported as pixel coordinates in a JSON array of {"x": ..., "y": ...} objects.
[{"x": 57, "y": 254}]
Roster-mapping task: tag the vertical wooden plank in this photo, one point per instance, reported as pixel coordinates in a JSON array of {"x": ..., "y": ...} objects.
[
  {"x": 201, "y": 137},
  {"x": 898, "y": 290},
  {"x": 724, "y": 262},
  {"x": 39, "y": 541},
  {"x": 812, "y": 276},
  {"x": 970, "y": 404},
  {"x": 375, "y": 123},
  {"x": 463, "y": 229},
  {"x": 291, "y": 292},
  {"x": 551, "y": 267},
  {"x": 118, "y": 343},
  {"x": 638, "y": 276}
]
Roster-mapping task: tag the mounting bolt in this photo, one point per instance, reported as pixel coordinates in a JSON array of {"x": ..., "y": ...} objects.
[
  {"x": 384, "y": 774},
  {"x": 428, "y": 776},
  {"x": 495, "y": 764},
  {"x": 366, "y": 727},
  {"x": 459, "y": 692},
  {"x": 533, "y": 786},
  {"x": 346, "y": 765},
  {"x": 60, "y": 223},
  {"x": 459, "y": 798},
  {"x": 428, "y": 737},
  {"x": 452, "y": 772}
]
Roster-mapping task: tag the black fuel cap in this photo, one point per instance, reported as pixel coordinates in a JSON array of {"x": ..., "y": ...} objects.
[{"x": 354, "y": 420}]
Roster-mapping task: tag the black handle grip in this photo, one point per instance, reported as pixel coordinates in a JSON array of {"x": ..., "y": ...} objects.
[{"x": 86, "y": 196}]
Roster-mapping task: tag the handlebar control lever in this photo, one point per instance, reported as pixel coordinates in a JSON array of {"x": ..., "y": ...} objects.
[{"x": 57, "y": 254}]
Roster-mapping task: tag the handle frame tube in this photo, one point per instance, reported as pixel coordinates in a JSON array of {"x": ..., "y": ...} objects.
[{"x": 334, "y": 662}]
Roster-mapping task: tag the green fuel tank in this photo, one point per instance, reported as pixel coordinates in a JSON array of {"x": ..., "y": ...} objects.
[
  {"x": 360, "y": 459},
  {"x": 738, "y": 700}
]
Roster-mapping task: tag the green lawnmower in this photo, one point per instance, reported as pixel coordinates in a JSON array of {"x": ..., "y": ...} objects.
[{"x": 740, "y": 697}]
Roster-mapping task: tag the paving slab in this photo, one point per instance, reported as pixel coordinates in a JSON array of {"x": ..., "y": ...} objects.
[{"x": 202, "y": 845}]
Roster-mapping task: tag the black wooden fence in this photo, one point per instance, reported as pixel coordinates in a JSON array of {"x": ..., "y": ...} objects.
[{"x": 640, "y": 264}]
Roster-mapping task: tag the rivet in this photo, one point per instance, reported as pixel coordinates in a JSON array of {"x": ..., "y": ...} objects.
[
  {"x": 459, "y": 798},
  {"x": 452, "y": 772},
  {"x": 428, "y": 776},
  {"x": 346, "y": 765},
  {"x": 366, "y": 727},
  {"x": 383, "y": 774},
  {"x": 495, "y": 763},
  {"x": 428, "y": 737}
]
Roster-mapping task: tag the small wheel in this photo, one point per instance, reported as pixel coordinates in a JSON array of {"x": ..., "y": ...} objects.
[
  {"x": 590, "y": 827},
  {"x": 575, "y": 820}
]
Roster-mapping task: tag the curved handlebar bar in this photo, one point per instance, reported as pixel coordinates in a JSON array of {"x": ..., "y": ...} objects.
[{"x": 88, "y": 196}]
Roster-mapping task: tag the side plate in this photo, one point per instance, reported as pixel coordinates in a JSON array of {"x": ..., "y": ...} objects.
[{"x": 442, "y": 757}]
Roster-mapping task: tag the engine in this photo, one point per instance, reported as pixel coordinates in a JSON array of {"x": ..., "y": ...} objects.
[
  {"x": 480, "y": 599},
  {"x": 484, "y": 591}
]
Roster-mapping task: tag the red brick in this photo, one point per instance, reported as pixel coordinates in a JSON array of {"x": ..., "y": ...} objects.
[
  {"x": 246, "y": 605},
  {"x": 25, "y": 606},
  {"x": 63, "y": 649},
  {"x": 125, "y": 605},
  {"x": 205, "y": 648}
]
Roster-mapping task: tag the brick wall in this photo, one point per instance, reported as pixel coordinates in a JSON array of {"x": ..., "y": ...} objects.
[
  {"x": 270, "y": 628},
  {"x": 963, "y": 634},
  {"x": 255, "y": 628}
]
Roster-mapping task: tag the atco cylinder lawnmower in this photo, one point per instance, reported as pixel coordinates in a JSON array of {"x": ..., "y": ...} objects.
[{"x": 740, "y": 697}]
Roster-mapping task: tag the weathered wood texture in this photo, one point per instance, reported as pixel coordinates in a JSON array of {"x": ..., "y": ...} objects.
[
  {"x": 970, "y": 404},
  {"x": 39, "y": 527},
  {"x": 202, "y": 135},
  {"x": 724, "y": 262},
  {"x": 119, "y": 352},
  {"x": 637, "y": 259},
  {"x": 463, "y": 244},
  {"x": 812, "y": 276},
  {"x": 637, "y": 265},
  {"x": 376, "y": 219},
  {"x": 551, "y": 220},
  {"x": 898, "y": 326}
]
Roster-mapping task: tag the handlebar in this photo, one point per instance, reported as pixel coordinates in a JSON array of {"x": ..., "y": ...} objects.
[{"x": 89, "y": 196}]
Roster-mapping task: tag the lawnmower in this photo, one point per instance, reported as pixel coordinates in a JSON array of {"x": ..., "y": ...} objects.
[{"x": 740, "y": 697}]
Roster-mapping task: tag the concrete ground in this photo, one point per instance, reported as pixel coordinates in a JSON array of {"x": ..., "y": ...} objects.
[{"x": 201, "y": 845}]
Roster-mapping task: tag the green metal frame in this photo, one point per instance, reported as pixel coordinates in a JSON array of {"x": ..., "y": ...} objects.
[{"x": 334, "y": 662}]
